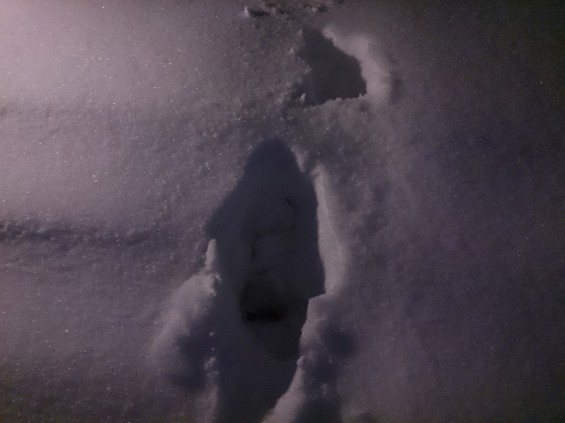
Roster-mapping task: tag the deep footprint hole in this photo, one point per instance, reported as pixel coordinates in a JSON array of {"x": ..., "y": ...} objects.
[
  {"x": 273, "y": 317},
  {"x": 334, "y": 74},
  {"x": 264, "y": 315},
  {"x": 278, "y": 224},
  {"x": 259, "y": 306}
]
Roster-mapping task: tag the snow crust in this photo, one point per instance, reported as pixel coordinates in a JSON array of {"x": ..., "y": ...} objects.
[{"x": 226, "y": 211}]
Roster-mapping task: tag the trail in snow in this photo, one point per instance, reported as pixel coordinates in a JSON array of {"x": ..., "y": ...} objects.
[
  {"x": 396, "y": 256},
  {"x": 236, "y": 326}
]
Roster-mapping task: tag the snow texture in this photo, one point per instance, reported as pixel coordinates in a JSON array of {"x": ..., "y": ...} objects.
[{"x": 279, "y": 211}]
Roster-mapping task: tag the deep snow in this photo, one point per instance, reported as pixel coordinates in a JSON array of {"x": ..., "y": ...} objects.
[{"x": 185, "y": 184}]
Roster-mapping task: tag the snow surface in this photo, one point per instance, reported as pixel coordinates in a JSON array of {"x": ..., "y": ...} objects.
[{"x": 227, "y": 211}]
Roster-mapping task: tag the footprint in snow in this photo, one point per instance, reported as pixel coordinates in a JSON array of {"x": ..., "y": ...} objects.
[
  {"x": 236, "y": 326},
  {"x": 267, "y": 237}
]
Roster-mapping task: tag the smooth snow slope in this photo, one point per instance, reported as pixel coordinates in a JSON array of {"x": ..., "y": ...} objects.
[{"x": 184, "y": 184}]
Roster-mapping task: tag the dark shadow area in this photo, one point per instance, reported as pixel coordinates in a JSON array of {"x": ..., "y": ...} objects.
[
  {"x": 334, "y": 74},
  {"x": 272, "y": 211},
  {"x": 267, "y": 244}
]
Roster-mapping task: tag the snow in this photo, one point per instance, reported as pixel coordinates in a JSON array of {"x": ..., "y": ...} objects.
[{"x": 227, "y": 211}]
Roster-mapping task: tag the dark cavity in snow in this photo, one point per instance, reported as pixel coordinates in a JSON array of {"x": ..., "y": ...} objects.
[
  {"x": 334, "y": 74},
  {"x": 266, "y": 233},
  {"x": 272, "y": 211},
  {"x": 237, "y": 323}
]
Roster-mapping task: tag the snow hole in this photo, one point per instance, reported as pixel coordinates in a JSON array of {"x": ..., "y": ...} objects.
[
  {"x": 333, "y": 73},
  {"x": 271, "y": 217}
]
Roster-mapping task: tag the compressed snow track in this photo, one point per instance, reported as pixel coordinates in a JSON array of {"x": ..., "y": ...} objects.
[
  {"x": 237, "y": 325},
  {"x": 267, "y": 236}
]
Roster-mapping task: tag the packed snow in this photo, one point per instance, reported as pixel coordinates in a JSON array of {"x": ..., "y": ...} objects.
[{"x": 273, "y": 211}]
